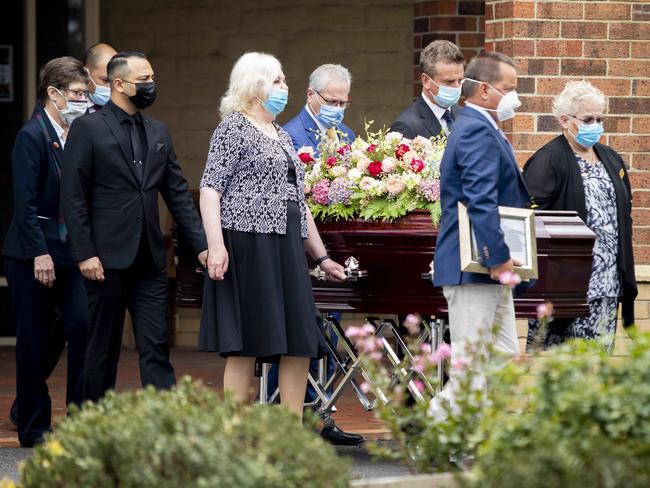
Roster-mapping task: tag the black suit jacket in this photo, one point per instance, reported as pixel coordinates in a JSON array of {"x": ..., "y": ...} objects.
[
  {"x": 419, "y": 120},
  {"x": 36, "y": 165},
  {"x": 104, "y": 203}
]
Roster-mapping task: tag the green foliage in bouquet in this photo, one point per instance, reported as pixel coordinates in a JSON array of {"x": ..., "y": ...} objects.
[
  {"x": 186, "y": 437},
  {"x": 382, "y": 177}
]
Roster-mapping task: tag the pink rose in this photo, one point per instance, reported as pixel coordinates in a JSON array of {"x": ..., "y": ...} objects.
[
  {"x": 395, "y": 186},
  {"x": 388, "y": 165}
]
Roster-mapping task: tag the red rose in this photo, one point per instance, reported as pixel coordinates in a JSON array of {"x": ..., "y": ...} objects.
[
  {"x": 305, "y": 158},
  {"x": 342, "y": 150},
  {"x": 371, "y": 148},
  {"x": 401, "y": 150},
  {"x": 374, "y": 168},
  {"x": 417, "y": 165},
  {"x": 331, "y": 161}
]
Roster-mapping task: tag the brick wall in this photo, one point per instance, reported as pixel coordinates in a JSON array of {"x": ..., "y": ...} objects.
[
  {"x": 458, "y": 21},
  {"x": 194, "y": 43},
  {"x": 607, "y": 43}
]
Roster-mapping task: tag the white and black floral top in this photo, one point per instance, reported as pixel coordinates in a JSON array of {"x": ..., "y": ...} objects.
[
  {"x": 600, "y": 199},
  {"x": 250, "y": 171}
]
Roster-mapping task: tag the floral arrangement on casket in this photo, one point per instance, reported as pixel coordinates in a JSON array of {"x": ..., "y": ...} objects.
[{"x": 382, "y": 177}]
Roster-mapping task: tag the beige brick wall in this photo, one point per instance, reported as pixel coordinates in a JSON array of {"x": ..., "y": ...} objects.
[{"x": 194, "y": 43}]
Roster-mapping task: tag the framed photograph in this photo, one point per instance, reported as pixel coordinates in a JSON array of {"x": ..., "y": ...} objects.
[{"x": 518, "y": 225}]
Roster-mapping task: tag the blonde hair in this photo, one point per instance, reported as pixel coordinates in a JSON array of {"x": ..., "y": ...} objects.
[
  {"x": 574, "y": 95},
  {"x": 250, "y": 78}
]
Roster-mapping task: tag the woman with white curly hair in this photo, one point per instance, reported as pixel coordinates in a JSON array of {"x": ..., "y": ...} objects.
[
  {"x": 257, "y": 300},
  {"x": 575, "y": 172}
]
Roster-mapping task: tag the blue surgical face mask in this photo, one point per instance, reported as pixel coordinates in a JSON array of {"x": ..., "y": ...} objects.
[
  {"x": 330, "y": 116},
  {"x": 276, "y": 102},
  {"x": 447, "y": 95},
  {"x": 101, "y": 96},
  {"x": 588, "y": 134}
]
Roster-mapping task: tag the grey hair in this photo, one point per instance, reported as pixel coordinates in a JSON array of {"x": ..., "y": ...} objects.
[
  {"x": 485, "y": 67},
  {"x": 573, "y": 96},
  {"x": 325, "y": 73}
]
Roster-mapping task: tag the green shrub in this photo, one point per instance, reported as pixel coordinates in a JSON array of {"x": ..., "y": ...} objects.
[
  {"x": 186, "y": 437},
  {"x": 585, "y": 422}
]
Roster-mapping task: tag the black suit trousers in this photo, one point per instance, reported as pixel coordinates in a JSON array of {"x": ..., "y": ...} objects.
[
  {"x": 46, "y": 318},
  {"x": 142, "y": 288}
]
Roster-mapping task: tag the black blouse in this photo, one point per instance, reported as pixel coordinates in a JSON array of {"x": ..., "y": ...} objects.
[{"x": 554, "y": 181}]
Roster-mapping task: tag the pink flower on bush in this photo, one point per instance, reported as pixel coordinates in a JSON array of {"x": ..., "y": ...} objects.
[
  {"x": 364, "y": 331},
  {"x": 544, "y": 310},
  {"x": 417, "y": 165},
  {"x": 460, "y": 363},
  {"x": 425, "y": 348},
  {"x": 509, "y": 278},
  {"x": 365, "y": 387},
  {"x": 443, "y": 352},
  {"x": 412, "y": 324},
  {"x": 419, "y": 384},
  {"x": 320, "y": 192},
  {"x": 401, "y": 150},
  {"x": 374, "y": 168}
]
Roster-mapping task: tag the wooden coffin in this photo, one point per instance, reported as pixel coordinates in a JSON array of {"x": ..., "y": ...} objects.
[{"x": 396, "y": 255}]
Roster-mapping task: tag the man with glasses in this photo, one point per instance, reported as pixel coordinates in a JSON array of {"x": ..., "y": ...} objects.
[
  {"x": 433, "y": 113},
  {"x": 118, "y": 162},
  {"x": 328, "y": 95}
]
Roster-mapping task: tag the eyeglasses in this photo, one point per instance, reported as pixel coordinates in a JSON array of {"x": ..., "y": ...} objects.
[
  {"x": 77, "y": 94},
  {"x": 588, "y": 120},
  {"x": 334, "y": 103}
]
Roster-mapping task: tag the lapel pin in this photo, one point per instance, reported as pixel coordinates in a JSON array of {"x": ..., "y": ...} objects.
[
  {"x": 621, "y": 173},
  {"x": 55, "y": 144}
]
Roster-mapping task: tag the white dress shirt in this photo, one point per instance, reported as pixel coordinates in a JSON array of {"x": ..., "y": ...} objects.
[
  {"x": 438, "y": 111},
  {"x": 60, "y": 132}
]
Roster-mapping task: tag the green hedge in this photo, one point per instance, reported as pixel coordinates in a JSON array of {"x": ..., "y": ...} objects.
[{"x": 186, "y": 437}]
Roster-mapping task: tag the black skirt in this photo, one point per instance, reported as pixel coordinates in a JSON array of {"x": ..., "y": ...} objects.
[{"x": 264, "y": 307}]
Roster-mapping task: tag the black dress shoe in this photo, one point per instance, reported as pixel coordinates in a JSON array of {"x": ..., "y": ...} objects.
[
  {"x": 336, "y": 436},
  {"x": 13, "y": 413},
  {"x": 31, "y": 442}
]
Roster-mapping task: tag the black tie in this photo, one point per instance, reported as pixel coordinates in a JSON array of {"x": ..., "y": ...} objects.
[
  {"x": 449, "y": 119},
  {"x": 137, "y": 148}
]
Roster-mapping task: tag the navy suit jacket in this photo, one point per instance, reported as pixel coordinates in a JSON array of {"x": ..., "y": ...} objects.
[
  {"x": 36, "y": 165},
  {"x": 304, "y": 131},
  {"x": 479, "y": 169}
]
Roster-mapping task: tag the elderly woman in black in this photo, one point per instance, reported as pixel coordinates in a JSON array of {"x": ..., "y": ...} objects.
[
  {"x": 575, "y": 172},
  {"x": 258, "y": 301}
]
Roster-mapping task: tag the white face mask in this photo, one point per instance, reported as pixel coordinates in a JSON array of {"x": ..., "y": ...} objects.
[
  {"x": 509, "y": 102},
  {"x": 73, "y": 109}
]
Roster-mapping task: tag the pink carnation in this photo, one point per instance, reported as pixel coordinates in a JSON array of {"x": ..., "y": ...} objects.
[
  {"x": 417, "y": 165},
  {"x": 320, "y": 192},
  {"x": 331, "y": 161}
]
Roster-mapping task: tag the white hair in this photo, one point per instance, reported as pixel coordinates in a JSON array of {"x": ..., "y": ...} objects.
[
  {"x": 250, "y": 78},
  {"x": 325, "y": 73},
  {"x": 573, "y": 97}
]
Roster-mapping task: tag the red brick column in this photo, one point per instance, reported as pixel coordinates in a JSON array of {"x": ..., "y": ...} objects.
[
  {"x": 459, "y": 21},
  {"x": 606, "y": 43}
]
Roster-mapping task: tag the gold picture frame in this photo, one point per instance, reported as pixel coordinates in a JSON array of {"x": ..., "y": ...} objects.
[{"x": 518, "y": 225}]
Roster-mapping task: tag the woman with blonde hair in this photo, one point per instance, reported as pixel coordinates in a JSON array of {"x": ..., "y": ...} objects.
[
  {"x": 258, "y": 302},
  {"x": 575, "y": 172}
]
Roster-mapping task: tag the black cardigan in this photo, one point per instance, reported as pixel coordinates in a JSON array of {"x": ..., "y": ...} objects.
[{"x": 555, "y": 183}]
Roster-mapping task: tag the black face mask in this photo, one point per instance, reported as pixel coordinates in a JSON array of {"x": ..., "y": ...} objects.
[{"x": 145, "y": 94}]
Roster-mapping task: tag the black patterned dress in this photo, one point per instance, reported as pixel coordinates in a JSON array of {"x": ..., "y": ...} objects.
[{"x": 604, "y": 283}]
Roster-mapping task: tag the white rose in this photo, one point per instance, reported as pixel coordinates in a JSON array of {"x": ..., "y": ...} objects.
[
  {"x": 355, "y": 174},
  {"x": 388, "y": 165}
]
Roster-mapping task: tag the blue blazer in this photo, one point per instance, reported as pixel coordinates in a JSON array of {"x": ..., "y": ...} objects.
[
  {"x": 36, "y": 166},
  {"x": 304, "y": 131},
  {"x": 479, "y": 169}
]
